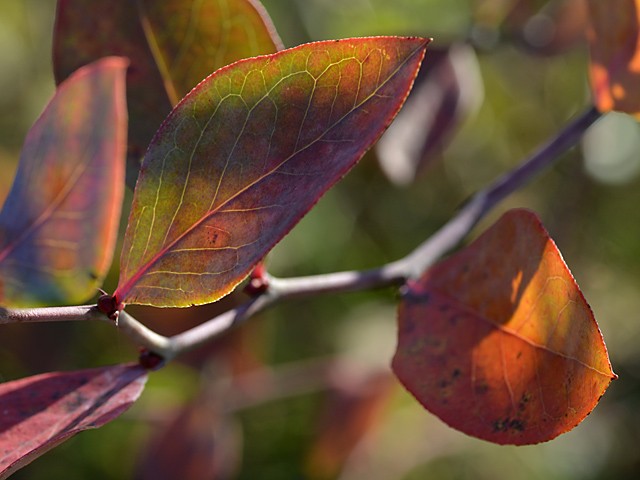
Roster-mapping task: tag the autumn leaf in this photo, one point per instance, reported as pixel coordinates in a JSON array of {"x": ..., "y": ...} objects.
[
  {"x": 354, "y": 404},
  {"x": 40, "y": 412},
  {"x": 614, "y": 41},
  {"x": 499, "y": 342},
  {"x": 172, "y": 45},
  {"x": 59, "y": 222},
  {"x": 448, "y": 89},
  {"x": 246, "y": 154}
]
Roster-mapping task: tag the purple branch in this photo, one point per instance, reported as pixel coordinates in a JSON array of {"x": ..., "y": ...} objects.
[{"x": 392, "y": 274}]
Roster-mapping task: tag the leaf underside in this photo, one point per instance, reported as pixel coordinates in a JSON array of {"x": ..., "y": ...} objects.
[
  {"x": 498, "y": 340},
  {"x": 59, "y": 222},
  {"x": 246, "y": 154},
  {"x": 40, "y": 412}
]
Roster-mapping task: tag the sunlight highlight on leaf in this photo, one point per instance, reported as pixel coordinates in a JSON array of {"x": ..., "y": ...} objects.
[
  {"x": 59, "y": 223},
  {"x": 498, "y": 340},
  {"x": 247, "y": 153},
  {"x": 614, "y": 40}
]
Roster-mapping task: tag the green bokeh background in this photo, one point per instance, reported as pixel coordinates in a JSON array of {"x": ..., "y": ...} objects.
[{"x": 588, "y": 202}]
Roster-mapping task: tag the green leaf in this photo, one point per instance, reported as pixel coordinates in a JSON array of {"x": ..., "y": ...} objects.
[
  {"x": 172, "y": 45},
  {"x": 246, "y": 154},
  {"x": 59, "y": 222}
]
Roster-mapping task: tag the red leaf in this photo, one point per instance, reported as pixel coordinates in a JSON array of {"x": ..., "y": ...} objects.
[
  {"x": 353, "y": 408},
  {"x": 614, "y": 41},
  {"x": 59, "y": 223},
  {"x": 448, "y": 89},
  {"x": 246, "y": 154},
  {"x": 40, "y": 412},
  {"x": 498, "y": 340}
]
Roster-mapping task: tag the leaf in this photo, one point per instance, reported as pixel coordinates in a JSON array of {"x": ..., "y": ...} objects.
[
  {"x": 498, "y": 340},
  {"x": 448, "y": 89},
  {"x": 199, "y": 441},
  {"x": 172, "y": 45},
  {"x": 59, "y": 223},
  {"x": 614, "y": 41},
  {"x": 246, "y": 154},
  {"x": 354, "y": 405},
  {"x": 40, "y": 412}
]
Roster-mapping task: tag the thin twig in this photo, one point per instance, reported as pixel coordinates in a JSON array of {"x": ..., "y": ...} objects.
[
  {"x": 50, "y": 314},
  {"x": 392, "y": 274}
]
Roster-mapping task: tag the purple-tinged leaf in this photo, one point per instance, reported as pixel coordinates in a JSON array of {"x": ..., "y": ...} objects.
[
  {"x": 246, "y": 154},
  {"x": 172, "y": 45},
  {"x": 40, "y": 412},
  {"x": 59, "y": 222},
  {"x": 448, "y": 89}
]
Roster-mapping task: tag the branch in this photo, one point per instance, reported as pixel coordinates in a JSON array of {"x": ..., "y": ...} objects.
[
  {"x": 50, "y": 314},
  {"x": 392, "y": 274}
]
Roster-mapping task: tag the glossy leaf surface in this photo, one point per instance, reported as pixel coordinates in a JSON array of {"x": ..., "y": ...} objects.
[
  {"x": 40, "y": 412},
  {"x": 246, "y": 154},
  {"x": 498, "y": 341},
  {"x": 172, "y": 45},
  {"x": 59, "y": 222},
  {"x": 448, "y": 89},
  {"x": 614, "y": 41}
]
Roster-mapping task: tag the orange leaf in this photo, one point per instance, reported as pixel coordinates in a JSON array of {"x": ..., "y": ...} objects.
[
  {"x": 614, "y": 40},
  {"x": 498, "y": 340}
]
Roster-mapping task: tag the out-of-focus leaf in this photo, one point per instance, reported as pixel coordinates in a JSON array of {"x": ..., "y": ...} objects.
[
  {"x": 448, "y": 89},
  {"x": 353, "y": 407},
  {"x": 199, "y": 442},
  {"x": 614, "y": 40},
  {"x": 40, "y": 412},
  {"x": 59, "y": 222},
  {"x": 172, "y": 44},
  {"x": 548, "y": 28},
  {"x": 498, "y": 340},
  {"x": 246, "y": 154}
]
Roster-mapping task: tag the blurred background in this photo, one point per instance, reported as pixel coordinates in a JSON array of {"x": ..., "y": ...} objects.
[{"x": 305, "y": 390}]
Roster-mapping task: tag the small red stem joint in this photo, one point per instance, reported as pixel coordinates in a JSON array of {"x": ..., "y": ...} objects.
[
  {"x": 258, "y": 281},
  {"x": 150, "y": 360}
]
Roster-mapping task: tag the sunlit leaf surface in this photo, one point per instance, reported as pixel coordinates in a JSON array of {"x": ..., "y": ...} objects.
[
  {"x": 40, "y": 412},
  {"x": 172, "y": 45},
  {"x": 614, "y": 40},
  {"x": 499, "y": 342},
  {"x": 59, "y": 223},
  {"x": 246, "y": 154}
]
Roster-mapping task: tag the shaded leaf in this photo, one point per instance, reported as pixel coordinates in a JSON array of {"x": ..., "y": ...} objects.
[
  {"x": 172, "y": 45},
  {"x": 40, "y": 412},
  {"x": 614, "y": 40},
  {"x": 246, "y": 154},
  {"x": 498, "y": 340},
  {"x": 352, "y": 409},
  {"x": 448, "y": 89},
  {"x": 199, "y": 442},
  {"x": 59, "y": 223}
]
